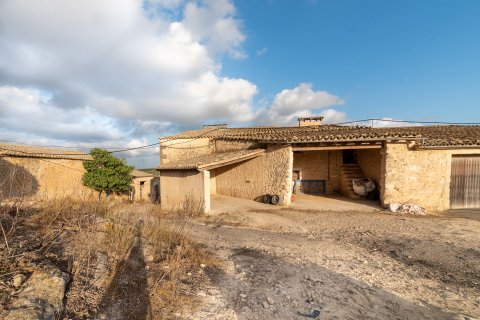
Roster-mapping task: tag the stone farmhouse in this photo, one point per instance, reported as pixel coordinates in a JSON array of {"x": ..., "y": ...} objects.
[
  {"x": 145, "y": 186},
  {"x": 437, "y": 167},
  {"x": 41, "y": 174}
]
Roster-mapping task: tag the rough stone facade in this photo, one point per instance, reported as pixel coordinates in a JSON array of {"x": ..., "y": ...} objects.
[
  {"x": 370, "y": 161},
  {"x": 184, "y": 148},
  {"x": 420, "y": 177},
  {"x": 41, "y": 179},
  {"x": 174, "y": 150},
  {"x": 404, "y": 173},
  {"x": 267, "y": 174}
]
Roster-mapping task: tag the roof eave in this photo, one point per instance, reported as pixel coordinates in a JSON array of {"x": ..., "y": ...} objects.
[
  {"x": 219, "y": 164},
  {"x": 344, "y": 140},
  {"x": 446, "y": 147},
  {"x": 213, "y": 165}
]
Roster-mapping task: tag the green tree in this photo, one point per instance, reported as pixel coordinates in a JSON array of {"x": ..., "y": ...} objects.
[{"x": 105, "y": 173}]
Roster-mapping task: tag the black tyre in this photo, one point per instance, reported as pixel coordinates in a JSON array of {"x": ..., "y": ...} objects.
[
  {"x": 275, "y": 200},
  {"x": 266, "y": 199}
]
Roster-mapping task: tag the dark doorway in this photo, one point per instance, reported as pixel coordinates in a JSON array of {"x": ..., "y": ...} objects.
[{"x": 349, "y": 157}]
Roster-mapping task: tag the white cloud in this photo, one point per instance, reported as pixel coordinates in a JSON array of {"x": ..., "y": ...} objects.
[
  {"x": 109, "y": 69},
  {"x": 122, "y": 73},
  {"x": 303, "y": 97},
  {"x": 110, "y": 51},
  {"x": 332, "y": 116},
  {"x": 301, "y": 101},
  {"x": 26, "y": 110},
  {"x": 214, "y": 23},
  {"x": 390, "y": 122}
]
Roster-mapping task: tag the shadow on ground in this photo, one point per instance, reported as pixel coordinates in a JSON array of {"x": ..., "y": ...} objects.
[{"x": 127, "y": 296}]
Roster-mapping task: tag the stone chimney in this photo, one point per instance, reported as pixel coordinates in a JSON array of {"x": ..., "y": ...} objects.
[{"x": 310, "y": 121}]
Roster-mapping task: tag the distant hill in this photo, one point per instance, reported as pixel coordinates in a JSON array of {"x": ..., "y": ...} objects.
[{"x": 152, "y": 171}]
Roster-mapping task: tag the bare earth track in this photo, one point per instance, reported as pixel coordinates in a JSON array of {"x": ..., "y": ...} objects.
[{"x": 348, "y": 265}]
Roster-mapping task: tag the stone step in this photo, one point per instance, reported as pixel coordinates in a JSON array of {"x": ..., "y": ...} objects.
[
  {"x": 350, "y": 178},
  {"x": 349, "y": 173},
  {"x": 353, "y": 176},
  {"x": 353, "y": 172}
]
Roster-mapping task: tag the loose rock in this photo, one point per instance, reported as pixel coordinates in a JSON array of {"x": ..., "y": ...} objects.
[
  {"x": 42, "y": 297},
  {"x": 18, "y": 280}
]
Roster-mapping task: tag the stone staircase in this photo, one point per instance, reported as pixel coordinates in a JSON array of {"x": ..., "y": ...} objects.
[{"x": 348, "y": 172}]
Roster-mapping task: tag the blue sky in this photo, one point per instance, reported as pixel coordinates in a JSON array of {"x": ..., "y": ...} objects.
[
  {"x": 414, "y": 60},
  {"x": 122, "y": 73}
]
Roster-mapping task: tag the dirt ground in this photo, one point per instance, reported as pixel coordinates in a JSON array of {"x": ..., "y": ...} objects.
[
  {"x": 318, "y": 259},
  {"x": 293, "y": 263}
]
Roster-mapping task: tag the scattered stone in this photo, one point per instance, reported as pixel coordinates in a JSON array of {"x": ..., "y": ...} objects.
[
  {"x": 202, "y": 265},
  {"x": 243, "y": 295},
  {"x": 101, "y": 270},
  {"x": 270, "y": 301},
  {"x": 18, "y": 280},
  {"x": 42, "y": 297},
  {"x": 265, "y": 304}
]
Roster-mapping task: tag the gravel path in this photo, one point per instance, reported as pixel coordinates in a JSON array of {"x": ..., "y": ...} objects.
[{"x": 286, "y": 264}]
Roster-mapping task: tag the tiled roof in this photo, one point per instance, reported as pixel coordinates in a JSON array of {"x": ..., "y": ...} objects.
[
  {"x": 140, "y": 174},
  {"x": 430, "y": 136},
  {"x": 15, "y": 150},
  {"x": 213, "y": 160}
]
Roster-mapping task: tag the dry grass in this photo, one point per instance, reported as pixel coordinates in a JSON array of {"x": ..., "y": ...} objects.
[
  {"x": 62, "y": 231},
  {"x": 192, "y": 207},
  {"x": 175, "y": 263},
  {"x": 72, "y": 234}
]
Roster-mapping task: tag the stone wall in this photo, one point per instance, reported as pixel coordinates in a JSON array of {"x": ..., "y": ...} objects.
[
  {"x": 174, "y": 150},
  {"x": 270, "y": 173},
  {"x": 41, "y": 179},
  {"x": 320, "y": 165},
  {"x": 213, "y": 181},
  {"x": 370, "y": 161},
  {"x": 178, "y": 187},
  {"x": 420, "y": 177}
]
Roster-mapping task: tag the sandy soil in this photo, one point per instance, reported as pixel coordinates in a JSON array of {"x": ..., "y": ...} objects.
[{"x": 369, "y": 264}]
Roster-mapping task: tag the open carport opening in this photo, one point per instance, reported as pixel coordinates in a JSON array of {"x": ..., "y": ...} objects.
[{"x": 330, "y": 171}]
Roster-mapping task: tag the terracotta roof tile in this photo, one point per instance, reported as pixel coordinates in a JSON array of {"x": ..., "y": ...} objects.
[
  {"x": 207, "y": 161},
  {"x": 14, "y": 150},
  {"x": 431, "y": 136}
]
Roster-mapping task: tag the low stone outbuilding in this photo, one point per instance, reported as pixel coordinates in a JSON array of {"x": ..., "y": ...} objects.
[
  {"x": 437, "y": 167},
  {"x": 145, "y": 186},
  {"x": 40, "y": 174}
]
